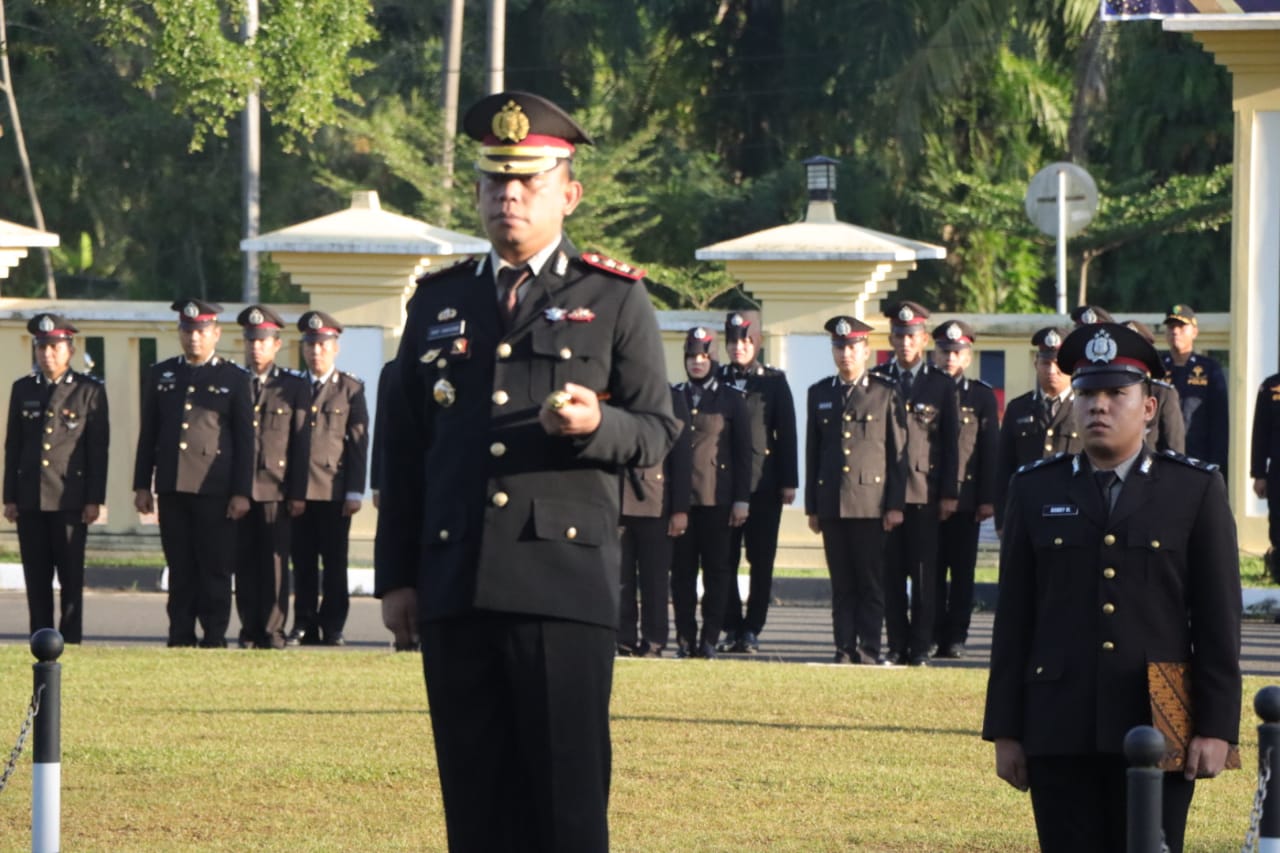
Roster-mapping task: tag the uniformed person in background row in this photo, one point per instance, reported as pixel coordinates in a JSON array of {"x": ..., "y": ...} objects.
[
  {"x": 196, "y": 442},
  {"x": 774, "y": 478},
  {"x": 1167, "y": 430},
  {"x": 531, "y": 376},
  {"x": 979, "y": 445},
  {"x": 1118, "y": 569},
  {"x": 855, "y": 485},
  {"x": 1202, "y": 388},
  {"x": 1264, "y": 463},
  {"x": 55, "y": 472},
  {"x": 281, "y": 409},
  {"x": 338, "y": 423},
  {"x": 655, "y": 512},
  {"x": 720, "y": 495},
  {"x": 933, "y": 484},
  {"x": 1038, "y": 423}
]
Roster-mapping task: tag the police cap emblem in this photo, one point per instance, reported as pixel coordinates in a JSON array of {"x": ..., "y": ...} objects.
[
  {"x": 510, "y": 123},
  {"x": 700, "y": 334},
  {"x": 1101, "y": 348},
  {"x": 905, "y": 314},
  {"x": 843, "y": 329},
  {"x": 1088, "y": 317},
  {"x": 1053, "y": 340},
  {"x": 315, "y": 322},
  {"x": 46, "y": 323},
  {"x": 190, "y": 310},
  {"x": 255, "y": 317},
  {"x": 737, "y": 320},
  {"x": 954, "y": 332}
]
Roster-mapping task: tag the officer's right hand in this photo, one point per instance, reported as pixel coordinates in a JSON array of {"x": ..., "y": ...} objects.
[
  {"x": 892, "y": 518},
  {"x": 1260, "y": 487},
  {"x": 677, "y": 524},
  {"x": 1011, "y": 762},
  {"x": 400, "y": 614},
  {"x": 814, "y": 525},
  {"x": 296, "y": 508},
  {"x": 10, "y": 513},
  {"x": 143, "y": 501}
]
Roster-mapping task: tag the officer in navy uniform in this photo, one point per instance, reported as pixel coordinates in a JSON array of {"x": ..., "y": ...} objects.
[
  {"x": 1264, "y": 463},
  {"x": 1038, "y": 423},
  {"x": 281, "y": 409},
  {"x": 55, "y": 472},
  {"x": 1115, "y": 563},
  {"x": 655, "y": 512},
  {"x": 531, "y": 376},
  {"x": 335, "y": 480},
  {"x": 774, "y": 478},
  {"x": 855, "y": 485},
  {"x": 933, "y": 487},
  {"x": 196, "y": 440},
  {"x": 1202, "y": 388},
  {"x": 720, "y": 496},
  {"x": 979, "y": 447}
]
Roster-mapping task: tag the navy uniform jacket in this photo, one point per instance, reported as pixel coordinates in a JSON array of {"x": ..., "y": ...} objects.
[
  {"x": 1264, "y": 458},
  {"x": 720, "y": 431},
  {"x": 509, "y": 518},
  {"x": 1202, "y": 387},
  {"x": 1166, "y": 430},
  {"x": 933, "y": 434},
  {"x": 979, "y": 443},
  {"x": 659, "y": 490},
  {"x": 283, "y": 442},
  {"x": 856, "y": 463},
  {"x": 1086, "y": 602},
  {"x": 339, "y": 426},
  {"x": 196, "y": 434},
  {"x": 772, "y": 411},
  {"x": 1027, "y": 434},
  {"x": 55, "y": 450}
]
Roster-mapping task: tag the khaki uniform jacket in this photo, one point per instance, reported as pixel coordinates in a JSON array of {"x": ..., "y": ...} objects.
[
  {"x": 338, "y": 422},
  {"x": 486, "y": 510},
  {"x": 933, "y": 435},
  {"x": 660, "y": 490},
  {"x": 721, "y": 436},
  {"x": 1167, "y": 430},
  {"x": 855, "y": 449},
  {"x": 196, "y": 434},
  {"x": 979, "y": 443},
  {"x": 283, "y": 440},
  {"x": 1028, "y": 434},
  {"x": 1087, "y": 600},
  {"x": 55, "y": 449}
]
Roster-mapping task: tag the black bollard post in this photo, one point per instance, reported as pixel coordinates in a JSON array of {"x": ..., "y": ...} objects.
[
  {"x": 1143, "y": 749},
  {"x": 1266, "y": 703},
  {"x": 46, "y": 750}
]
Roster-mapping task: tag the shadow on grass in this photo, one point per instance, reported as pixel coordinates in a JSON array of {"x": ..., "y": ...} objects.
[{"x": 814, "y": 727}]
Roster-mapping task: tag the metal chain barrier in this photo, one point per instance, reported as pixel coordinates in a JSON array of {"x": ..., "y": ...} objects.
[
  {"x": 1255, "y": 814},
  {"x": 32, "y": 710}
]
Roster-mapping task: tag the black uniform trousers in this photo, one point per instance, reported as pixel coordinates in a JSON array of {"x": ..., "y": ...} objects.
[
  {"x": 911, "y": 549},
  {"x": 705, "y": 542},
  {"x": 199, "y": 545},
  {"x": 761, "y": 536},
  {"x": 262, "y": 573},
  {"x": 1273, "y": 511},
  {"x": 646, "y": 567},
  {"x": 520, "y": 713},
  {"x": 854, "y": 549},
  {"x": 957, "y": 554},
  {"x": 319, "y": 535},
  {"x": 52, "y": 543},
  {"x": 1079, "y": 803}
]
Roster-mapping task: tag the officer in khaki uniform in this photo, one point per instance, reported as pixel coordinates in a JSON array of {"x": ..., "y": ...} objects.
[
  {"x": 1038, "y": 423},
  {"x": 55, "y": 472},
  {"x": 336, "y": 473},
  {"x": 281, "y": 405},
  {"x": 507, "y": 468},
  {"x": 1118, "y": 564},
  {"x": 933, "y": 486},
  {"x": 196, "y": 441},
  {"x": 855, "y": 485}
]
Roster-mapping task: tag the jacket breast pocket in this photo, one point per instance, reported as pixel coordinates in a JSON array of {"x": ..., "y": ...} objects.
[
  {"x": 572, "y": 522},
  {"x": 1158, "y": 554},
  {"x": 569, "y": 352}
]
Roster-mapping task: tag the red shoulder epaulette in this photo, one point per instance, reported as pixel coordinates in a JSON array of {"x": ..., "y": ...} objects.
[
  {"x": 434, "y": 274},
  {"x": 607, "y": 264}
]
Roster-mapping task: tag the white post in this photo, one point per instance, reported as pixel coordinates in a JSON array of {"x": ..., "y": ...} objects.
[{"x": 1062, "y": 241}]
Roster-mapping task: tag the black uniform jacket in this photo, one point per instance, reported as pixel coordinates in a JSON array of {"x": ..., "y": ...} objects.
[
  {"x": 1202, "y": 387},
  {"x": 1027, "y": 434},
  {"x": 1086, "y": 602},
  {"x": 339, "y": 427},
  {"x": 660, "y": 490},
  {"x": 933, "y": 434},
  {"x": 509, "y": 518},
  {"x": 720, "y": 429},
  {"x": 774, "y": 449},
  {"x": 55, "y": 450},
  {"x": 856, "y": 462},
  {"x": 1264, "y": 457},
  {"x": 282, "y": 450},
  {"x": 196, "y": 433},
  {"x": 979, "y": 443},
  {"x": 1167, "y": 430}
]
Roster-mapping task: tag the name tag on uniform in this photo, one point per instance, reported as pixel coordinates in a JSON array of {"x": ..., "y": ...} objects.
[
  {"x": 440, "y": 331},
  {"x": 1026, "y": 419},
  {"x": 1054, "y": 510},
  {"x": 827, "y": 405}
]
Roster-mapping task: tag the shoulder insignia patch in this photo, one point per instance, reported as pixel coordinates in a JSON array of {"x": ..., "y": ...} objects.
[
  {"x": 982, "y": 383},
  {"x": 1040, "y": 463},
  {"x": 882, "y": 377},
  {"x": 1189, "y": 461},
  {"x": 434, "y": 275},
  {"x": 352, "y": 376},
  {"x": 618, "y": 268},
  {"x": 1161, "y": 383}
]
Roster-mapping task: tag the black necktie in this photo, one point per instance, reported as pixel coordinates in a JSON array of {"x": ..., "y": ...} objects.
[
  {"x": 905, "y": 381},
  {"x": 509, "y": 281},
  {"x": 315, "y": 387},
  {"x": 1051, "y": 407},
  {"x": 1106, "y": 480},
  {"x": 257, "y": 387}
]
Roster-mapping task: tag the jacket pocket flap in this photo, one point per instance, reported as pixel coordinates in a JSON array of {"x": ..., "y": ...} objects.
[{"x": 567, "y": 521}]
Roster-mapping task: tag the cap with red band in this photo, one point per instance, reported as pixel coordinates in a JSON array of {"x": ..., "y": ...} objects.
[
  {"x": 846, "y": 330},
  {"x": 521, "y": 133},
  {"x": 193, "y": 313},
  {"x": 953, "y": 335},
  {"x": 51, "y": 327},
  {"x": 260, "y": 321},
  {"x": 906, "y": 317},
  {"x": 1107, "y": 355},
  {"x": 317, "y": 325}
]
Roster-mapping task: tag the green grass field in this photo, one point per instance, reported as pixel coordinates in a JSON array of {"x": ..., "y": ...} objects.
[{"x": 331, "y": 751}]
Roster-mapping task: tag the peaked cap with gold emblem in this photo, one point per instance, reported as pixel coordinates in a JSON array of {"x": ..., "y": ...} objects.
[
  {"x": 521, "y": 133},
  {"x": 259, "y": 322},
  {"x": 1107, "y": 355}
]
